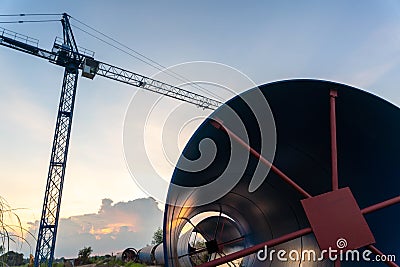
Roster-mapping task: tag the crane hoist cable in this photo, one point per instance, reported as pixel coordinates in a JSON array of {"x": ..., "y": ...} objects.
[
  {"x": 29, "y": 21},
  {"x": 185, "y": 81},
  {"x": 29, "y": 14},
  {"x": 67, "y": 54},
  {"x": 142, "y": 58},
  {"x": 26, "y": 20}
]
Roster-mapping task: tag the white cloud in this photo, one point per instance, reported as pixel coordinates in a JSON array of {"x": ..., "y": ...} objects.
[{"x": 112, "y": 229}]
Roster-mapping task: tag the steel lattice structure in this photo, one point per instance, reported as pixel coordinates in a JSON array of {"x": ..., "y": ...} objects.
[
  {"x": 67, "y": 54},
  {"x": 70, "y": 58},
  {"x": 131, "y": 78},
  {"x": 58, "y": 160}
]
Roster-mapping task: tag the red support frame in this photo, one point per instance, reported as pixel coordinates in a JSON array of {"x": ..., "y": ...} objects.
[
  {"x": 381, "y": 205},
  {"x": 219, "y": 125},
  {"x": 335, "y": 186},
  {"x": 335, "y": 180},
  {"x": 255, "y": 248}
]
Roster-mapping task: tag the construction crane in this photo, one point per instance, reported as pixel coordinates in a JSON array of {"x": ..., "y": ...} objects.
[{"x": 67, "y": 54}]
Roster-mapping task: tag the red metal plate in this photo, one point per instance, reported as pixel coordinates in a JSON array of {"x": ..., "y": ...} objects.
[{"x": 337, "y": 221}]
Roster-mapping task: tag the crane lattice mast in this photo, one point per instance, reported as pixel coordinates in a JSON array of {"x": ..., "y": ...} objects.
[{"x": 65, "y": 53}]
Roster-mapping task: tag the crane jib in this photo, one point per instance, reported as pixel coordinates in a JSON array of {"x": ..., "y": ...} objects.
[
  {"x": 65, "y": 53},
  {"x": 19, "y": 44}
]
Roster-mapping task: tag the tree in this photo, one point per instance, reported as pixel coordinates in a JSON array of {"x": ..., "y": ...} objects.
[
  {"x": 84, "y": 254},
  {"x": 12, "y": 258},
  {"x": 157, "y": 237}
]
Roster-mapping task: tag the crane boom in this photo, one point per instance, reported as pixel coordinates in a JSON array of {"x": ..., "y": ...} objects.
[
  {"x": 91, "y": 67},
  {"x": 67, "y": 54},
  {"x": 138, "y": 80}
]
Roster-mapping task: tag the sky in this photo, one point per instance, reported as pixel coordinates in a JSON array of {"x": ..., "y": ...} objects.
[{"x": 351, "y": 42}]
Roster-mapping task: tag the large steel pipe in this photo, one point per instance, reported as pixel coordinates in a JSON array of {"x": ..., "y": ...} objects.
[{"x": 365, "y": 144}]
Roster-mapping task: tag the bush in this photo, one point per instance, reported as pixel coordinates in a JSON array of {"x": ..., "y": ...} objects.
[{"x": 84, "y": 255}]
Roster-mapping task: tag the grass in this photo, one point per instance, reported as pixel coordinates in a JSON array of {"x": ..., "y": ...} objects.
[
  {"x": 115, "y": 262},
  {"x": 13, "y": 233},
  {"x": 133, "y": 264},
  {"x": 11, "y": 230},
  {"x": 111, "y": 263}
]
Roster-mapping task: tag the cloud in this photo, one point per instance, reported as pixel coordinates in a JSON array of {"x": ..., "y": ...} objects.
[{"x": 112, "y": 229}]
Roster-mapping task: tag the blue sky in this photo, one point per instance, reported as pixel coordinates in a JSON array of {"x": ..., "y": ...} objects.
[{"x": 352, "y": 42}]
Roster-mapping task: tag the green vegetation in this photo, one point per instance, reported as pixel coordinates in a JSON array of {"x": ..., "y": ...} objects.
[
  {"x": 157, "y": 236},
  {"x": 108, "y": 261},
  {"x": 133, "y": 264},
  {"x": 11, "y": 233},
  {"x": 115, "y": 262},
  {"x": 101, "y": 261},
  {"x": 12, "y": 258},
  {"x": 84, "y": 255}
]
